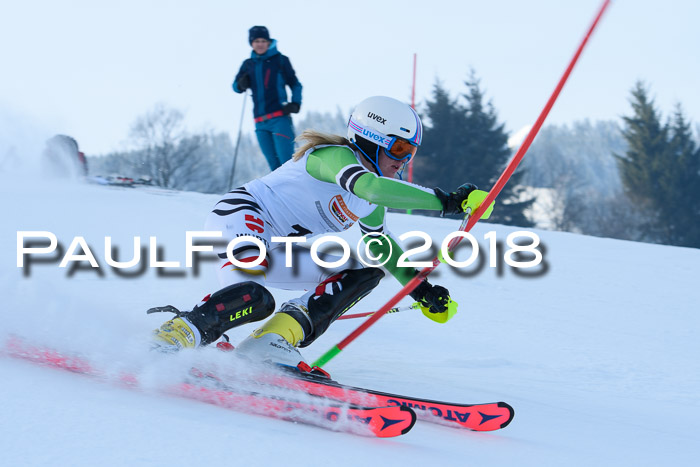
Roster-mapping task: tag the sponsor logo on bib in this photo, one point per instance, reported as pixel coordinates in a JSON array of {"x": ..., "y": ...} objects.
[{"x": 341, "y": 212}]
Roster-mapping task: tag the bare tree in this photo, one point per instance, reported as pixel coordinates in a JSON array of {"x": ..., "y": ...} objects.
[{"x": 164, "y": 151}]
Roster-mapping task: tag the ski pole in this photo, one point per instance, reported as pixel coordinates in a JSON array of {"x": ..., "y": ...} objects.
[
  {"x": 238, "y": 142},
  {"x": 413, "y": 306},
  {"x": 469, "y": 220}
]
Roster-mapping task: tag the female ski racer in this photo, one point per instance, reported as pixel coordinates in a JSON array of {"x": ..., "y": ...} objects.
[{"x": 331, "y": 183}]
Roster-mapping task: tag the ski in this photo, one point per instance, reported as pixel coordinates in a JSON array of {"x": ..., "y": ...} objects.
[
  {"x": 477, "y": 417},
  {"x": 296, "y": 406},
  {"x": 382, "y": 422}
]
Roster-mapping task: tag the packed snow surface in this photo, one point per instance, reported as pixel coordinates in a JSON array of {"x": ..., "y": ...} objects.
[{"x": 596, "y": 349}]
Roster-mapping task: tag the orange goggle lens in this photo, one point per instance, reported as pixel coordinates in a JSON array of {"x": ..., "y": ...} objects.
[{"x": 401, "y": 149}]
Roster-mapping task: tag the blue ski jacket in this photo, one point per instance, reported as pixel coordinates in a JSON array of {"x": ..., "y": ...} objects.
[{"x": 269, "y": 74}]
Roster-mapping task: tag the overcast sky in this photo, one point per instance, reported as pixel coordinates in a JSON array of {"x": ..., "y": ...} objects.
[{"x": 89, "y": 68}]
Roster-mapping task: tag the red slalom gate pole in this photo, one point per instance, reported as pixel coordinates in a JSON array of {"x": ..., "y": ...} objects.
[
  {"x": 470, "y": 220},
  {"x": 413, "y": 105}
]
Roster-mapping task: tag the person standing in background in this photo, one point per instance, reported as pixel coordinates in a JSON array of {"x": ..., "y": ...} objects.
[{"x": 267, "y": 73}]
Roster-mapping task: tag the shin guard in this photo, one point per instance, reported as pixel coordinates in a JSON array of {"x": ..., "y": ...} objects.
[
  {"x": 227, "y": 308},
  {"x": 335, "y": 296}
]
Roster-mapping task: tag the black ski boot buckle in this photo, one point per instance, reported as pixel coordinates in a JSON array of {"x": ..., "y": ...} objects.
[{"x": 166, "y": 309}]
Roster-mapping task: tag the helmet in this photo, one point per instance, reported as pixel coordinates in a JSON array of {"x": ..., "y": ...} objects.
[{"x": 382, "y": 122}]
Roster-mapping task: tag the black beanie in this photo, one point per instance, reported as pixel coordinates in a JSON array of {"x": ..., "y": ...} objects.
[{"x": 258, "y": 32}]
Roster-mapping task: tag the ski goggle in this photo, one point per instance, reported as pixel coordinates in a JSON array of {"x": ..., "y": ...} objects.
[{"x": 399, "y": 149}]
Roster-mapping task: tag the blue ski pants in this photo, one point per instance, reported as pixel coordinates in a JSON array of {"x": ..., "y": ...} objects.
[{"x": 276, "y": 140}]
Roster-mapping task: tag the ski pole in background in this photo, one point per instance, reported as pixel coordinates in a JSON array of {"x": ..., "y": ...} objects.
[
  {"x": 469, "y": 220},
  {"x": 238, "y": 142}
]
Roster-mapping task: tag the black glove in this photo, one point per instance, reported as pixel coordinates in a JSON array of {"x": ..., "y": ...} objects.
[
  {"x": 291, "y": 108},
  {"x": 431, "y": 296},
  {"x": 452, "y": 202},
  {"x": 243, "y": 82}
]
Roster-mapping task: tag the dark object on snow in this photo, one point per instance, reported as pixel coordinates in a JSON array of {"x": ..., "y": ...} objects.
[{"x": 62, "y": 158}]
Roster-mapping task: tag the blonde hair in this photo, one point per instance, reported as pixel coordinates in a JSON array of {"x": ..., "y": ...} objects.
[{"x": 315, "y": 138}]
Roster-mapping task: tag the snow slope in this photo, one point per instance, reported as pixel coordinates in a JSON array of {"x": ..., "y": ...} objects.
[{"x": 598, "y": 354}]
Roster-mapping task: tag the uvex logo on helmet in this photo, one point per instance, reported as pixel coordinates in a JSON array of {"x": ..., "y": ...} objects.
[
  {"x": 376, "y": 117},
  {"x": 374, "y": 137}
]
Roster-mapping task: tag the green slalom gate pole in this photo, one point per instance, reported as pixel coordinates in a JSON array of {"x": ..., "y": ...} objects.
[{"x": 469, "y": 220}]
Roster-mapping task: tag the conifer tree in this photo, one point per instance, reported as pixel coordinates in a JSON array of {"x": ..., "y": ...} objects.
[
  {"x": 683, "y": 210},
  {"x": 444, "y": 137},
  {"x": 465, "y": 143},
  {"x": 487, "y": 155},
  {"x": 641, "y": 166},
  {"x": 660, "y": 172}
]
